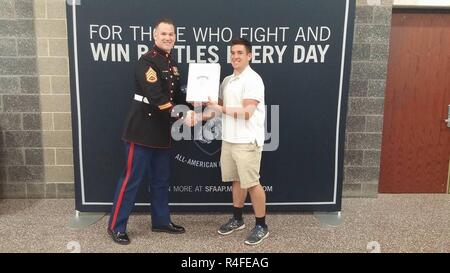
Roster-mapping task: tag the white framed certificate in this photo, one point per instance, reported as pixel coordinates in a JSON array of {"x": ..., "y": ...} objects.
[{"x": 203, "y": 82}]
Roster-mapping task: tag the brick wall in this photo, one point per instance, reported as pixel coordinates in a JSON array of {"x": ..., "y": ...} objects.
[
  {"x": 35, "y": 128},
  {"x": 366, "y": 97}
]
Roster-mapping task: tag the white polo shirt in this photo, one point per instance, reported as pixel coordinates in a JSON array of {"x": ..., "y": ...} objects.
[{"x": 233, "y": 90}]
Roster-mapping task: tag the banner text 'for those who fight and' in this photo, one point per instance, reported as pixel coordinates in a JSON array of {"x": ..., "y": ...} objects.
[{"x": 276, "y": 44}]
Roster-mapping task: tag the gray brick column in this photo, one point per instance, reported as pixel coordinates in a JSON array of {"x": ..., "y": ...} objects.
[
  {"x": 366, "y": 97},
  {"x": 35, "y": 128}
]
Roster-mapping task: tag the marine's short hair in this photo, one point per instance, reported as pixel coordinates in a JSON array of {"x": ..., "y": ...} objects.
[{"x": 163, "y": 20}]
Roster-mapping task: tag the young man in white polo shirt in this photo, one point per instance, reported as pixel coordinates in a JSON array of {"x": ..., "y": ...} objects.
[{"x": 243, "y": 113}]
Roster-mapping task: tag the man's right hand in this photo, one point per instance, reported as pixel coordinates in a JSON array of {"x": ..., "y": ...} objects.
[{"x": 190, "y": 119}]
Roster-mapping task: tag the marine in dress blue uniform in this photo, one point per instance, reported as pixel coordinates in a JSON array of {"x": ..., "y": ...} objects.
[{"x": 147, "y": 137}]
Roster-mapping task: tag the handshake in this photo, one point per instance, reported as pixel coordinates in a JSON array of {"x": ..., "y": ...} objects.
[
  {"x": 212, "y": 109},
  {"x": 192, "y": 118}
]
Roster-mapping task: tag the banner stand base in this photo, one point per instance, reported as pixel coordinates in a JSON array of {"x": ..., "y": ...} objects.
[
  {"x": 329, "y": 218},
  {"x": 85, "y": 219}
]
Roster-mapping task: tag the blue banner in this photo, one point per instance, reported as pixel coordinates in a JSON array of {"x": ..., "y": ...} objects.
[{"x": 301, "y": 49}]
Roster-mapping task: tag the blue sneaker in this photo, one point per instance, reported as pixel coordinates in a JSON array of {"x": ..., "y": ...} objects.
[
  {"x": 257, "y": 235},
  {"x": 231, "y": 226}
]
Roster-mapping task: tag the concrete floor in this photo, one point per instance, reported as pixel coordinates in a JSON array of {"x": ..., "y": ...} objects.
[{"x": 389, "y": 223}]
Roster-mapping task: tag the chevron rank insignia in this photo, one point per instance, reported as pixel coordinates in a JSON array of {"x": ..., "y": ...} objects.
[{"x": 150, "y": 75}]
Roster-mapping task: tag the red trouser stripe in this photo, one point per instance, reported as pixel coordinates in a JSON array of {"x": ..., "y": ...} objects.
[{"x": 124, "y": 185}]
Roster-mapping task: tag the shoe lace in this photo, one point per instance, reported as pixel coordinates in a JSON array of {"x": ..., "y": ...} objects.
[
  {"x": 258, "y": 231},
  {"x": 233, "y": 223}
]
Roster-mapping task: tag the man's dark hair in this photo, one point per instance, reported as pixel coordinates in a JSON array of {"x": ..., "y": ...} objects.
[
  {"x": 163, "y": 20},
  {"x": 244, "y": 42}
]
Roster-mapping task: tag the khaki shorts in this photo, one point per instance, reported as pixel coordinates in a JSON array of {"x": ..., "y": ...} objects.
[{"x": 241, "y": 162}]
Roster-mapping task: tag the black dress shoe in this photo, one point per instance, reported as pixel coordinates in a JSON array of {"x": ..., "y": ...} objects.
[
  {"x": 119, "y": 237},
  {"x": 170, "y": 228}
]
